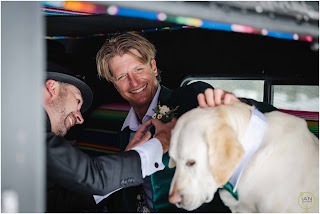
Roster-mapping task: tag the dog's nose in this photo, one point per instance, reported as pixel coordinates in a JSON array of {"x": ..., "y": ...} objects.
[{"x": 175, "y": 197}]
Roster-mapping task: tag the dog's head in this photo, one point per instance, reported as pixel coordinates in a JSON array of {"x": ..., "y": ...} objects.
[{"x": 205, "y": 150}]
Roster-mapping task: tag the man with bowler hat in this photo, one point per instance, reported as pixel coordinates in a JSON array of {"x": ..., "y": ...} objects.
[{"x": 65, "y": 98}]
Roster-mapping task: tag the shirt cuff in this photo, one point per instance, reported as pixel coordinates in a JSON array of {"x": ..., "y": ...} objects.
[
  {"x": 151, "y": 156},
  {"x": 99, "y": 198}
]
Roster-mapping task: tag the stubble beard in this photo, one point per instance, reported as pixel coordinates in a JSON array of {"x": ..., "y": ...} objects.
[{"x": 59, "y": 108}]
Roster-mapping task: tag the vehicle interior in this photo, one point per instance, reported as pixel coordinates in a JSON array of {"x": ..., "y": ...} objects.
[{"x": 266, "y": 51}]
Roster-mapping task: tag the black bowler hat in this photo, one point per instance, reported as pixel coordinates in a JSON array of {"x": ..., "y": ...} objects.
[{"x": 61, "y": 74}]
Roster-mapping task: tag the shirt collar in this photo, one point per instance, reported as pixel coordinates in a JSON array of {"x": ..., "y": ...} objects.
[
  {"x": 132, "y": 120},
  {"x": 250, "y": 143}
]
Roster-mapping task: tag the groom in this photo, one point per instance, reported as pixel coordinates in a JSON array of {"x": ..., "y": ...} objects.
[{"x": 128, "y": 61}]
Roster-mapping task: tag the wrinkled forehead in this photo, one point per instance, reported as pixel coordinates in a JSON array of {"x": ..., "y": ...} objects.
[
  {"x": 132, "y": 52},
  {"x": 128, "y": 60}
]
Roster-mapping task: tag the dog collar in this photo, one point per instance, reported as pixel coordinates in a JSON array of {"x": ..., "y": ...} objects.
[
  {"x": 229, "y": 187},
  {"x": 250, "y": 143}
]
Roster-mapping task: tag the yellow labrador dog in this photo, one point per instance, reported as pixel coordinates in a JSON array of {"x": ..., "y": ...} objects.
[{"x": 277, "y": 171}]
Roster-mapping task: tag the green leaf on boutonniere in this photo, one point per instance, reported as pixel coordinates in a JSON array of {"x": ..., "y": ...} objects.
[{"x": 164, "y": 113}]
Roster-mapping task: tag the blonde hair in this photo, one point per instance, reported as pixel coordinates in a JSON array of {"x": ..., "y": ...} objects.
[{"x": 123, "y": 44}]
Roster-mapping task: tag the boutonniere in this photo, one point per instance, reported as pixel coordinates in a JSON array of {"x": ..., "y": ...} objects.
[{"x": 164, "y": 113}]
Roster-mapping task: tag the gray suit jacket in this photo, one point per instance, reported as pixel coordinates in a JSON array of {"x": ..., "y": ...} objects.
[{"x": 79, "y": 172}]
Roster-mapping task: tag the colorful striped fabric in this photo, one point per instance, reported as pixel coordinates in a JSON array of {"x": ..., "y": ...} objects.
[
  {"x": 311, "y": 117},
  {"x": 307, "y": 115},
  {"x": 101, "y": 133}
]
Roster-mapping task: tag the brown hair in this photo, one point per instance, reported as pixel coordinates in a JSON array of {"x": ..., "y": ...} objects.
[{"x": 119, "y": 45}]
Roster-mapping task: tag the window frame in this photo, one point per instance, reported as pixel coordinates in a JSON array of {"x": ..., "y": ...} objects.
[{"x": 268, "y": 89}]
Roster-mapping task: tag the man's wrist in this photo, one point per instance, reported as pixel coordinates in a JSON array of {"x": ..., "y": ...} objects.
[{"x": 161, "y": 139}]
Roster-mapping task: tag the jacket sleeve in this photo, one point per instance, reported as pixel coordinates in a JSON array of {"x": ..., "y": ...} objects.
[
  {"x": 100, "y": 175},
  {"x": 261, "y": 106}
]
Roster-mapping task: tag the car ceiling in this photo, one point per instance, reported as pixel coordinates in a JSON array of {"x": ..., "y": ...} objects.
[
  {"x": 292, "y": 17},
  {"x": 184, "y": 52},
  {"x": 98, "y": 24}
]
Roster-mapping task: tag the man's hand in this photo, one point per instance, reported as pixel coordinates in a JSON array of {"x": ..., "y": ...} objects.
[
  {"x": 141, "y": 136},
  {"x": 215, "y": 97},
  {"x": 163, "y": 132}
]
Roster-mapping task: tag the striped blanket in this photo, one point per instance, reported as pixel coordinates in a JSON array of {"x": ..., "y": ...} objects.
[{"x": 101, "y": 133}]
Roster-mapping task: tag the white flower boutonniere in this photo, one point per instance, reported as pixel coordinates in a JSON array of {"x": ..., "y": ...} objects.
[{"x": 164, "y": 113}]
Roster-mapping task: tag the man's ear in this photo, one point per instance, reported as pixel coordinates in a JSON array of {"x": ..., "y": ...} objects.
[
  {"x": 52, "y": 87},
  {"x": 225, "y": 153},
  {"x": 154, "y": 67}
]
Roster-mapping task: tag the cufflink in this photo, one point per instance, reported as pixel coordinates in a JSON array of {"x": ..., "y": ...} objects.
[{"x": 156, "y": 165}]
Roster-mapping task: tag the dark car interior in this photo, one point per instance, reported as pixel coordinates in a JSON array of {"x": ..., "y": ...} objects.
[
  {"x": 185, "y": 52},
  {"x": 274, "y": 43}
]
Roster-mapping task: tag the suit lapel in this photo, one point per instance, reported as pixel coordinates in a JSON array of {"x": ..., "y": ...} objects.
[
  {"x": 164, "y": 99},
  {"x": 124, "y": 138},
  {"x": 165, "y": 96}
]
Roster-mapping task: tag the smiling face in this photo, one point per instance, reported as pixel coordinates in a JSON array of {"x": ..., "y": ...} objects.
[
  {"x": 66, "y": 109},
  {"x": 136, "y": 82}
]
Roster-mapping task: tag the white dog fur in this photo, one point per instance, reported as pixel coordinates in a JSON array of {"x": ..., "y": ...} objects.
[{"x": 205, "y": 149}]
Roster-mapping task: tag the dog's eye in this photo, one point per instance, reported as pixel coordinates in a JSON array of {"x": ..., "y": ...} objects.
[{"x": 190, "y": 163}]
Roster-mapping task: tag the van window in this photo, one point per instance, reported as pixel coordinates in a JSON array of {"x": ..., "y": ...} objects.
[
  {"x": 241, "y": 88},
  {"x": 296, "y": 97},
  {"x": 291, "y": 97}
]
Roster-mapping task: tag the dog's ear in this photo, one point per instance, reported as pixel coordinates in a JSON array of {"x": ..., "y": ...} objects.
[
  {"x": 225, "y": 153},
  {"x": 172, "y": 163}
]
